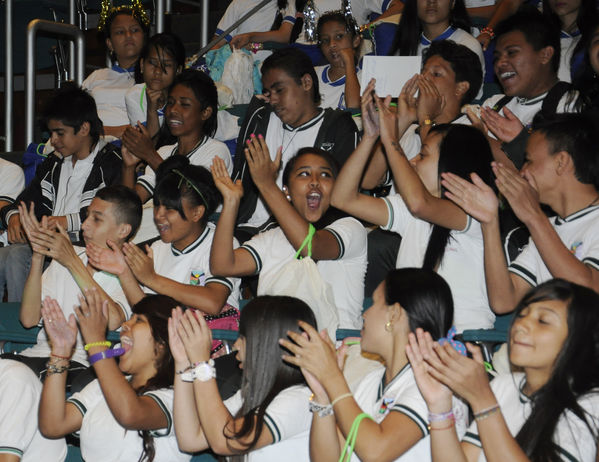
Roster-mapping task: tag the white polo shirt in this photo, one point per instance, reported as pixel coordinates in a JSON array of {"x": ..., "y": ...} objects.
[
  {"x": 192, "y": 264},
  {"x": 288, "y": 419},
  {"x": 108, "y": 86},
  {"x": 136, "y": 101},
  {"x": 567, "y": 43},
  {"x": 572, "y": 437},
  {"x": 103, "y": 439},
  {"x": 401, "y": 394},
  {"x": 579, "y": 232},
  {"x": 12, "y": 182},
  {"x": 332, "y": 91},
  {"x": 271, "y": 251},
  {"x": 462, "y": 265},
  {"x": 202, "y": 155},
  {"x": 58, "y": 283},
  {"x": 20, "y": 392}
]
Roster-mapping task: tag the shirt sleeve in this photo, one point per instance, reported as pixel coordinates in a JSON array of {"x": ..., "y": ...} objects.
[
  {"x": 164, "y": 399},
  {"x": 88, "y": 397},
  {"x": 136, "y": 107},
  {"x": 289, "y": 13},
  {"x": 398, "y": 214},
  {"x": 351, "y": 237},
  {"x": 412, "y": 405},
  {"x": 258, "y": 248},
  {"x": 12, "y": 181},
  {"x": 288, "y": 414},
  {"x": 526, "y": 264}
]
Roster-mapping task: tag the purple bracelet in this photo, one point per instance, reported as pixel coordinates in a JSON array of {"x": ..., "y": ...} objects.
[{"x": 106, "y": 354}]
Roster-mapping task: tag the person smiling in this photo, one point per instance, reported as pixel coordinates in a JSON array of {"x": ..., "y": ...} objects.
[
  {"x": 113, "y": 215},
  {"x": 547, "y": 410},
  {"x": 292, "y": 119},
  {"x": 338, "y": 244}
]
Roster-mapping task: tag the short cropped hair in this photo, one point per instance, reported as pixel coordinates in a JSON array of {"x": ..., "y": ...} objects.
[
  {"x": 578, "y": 135},
  {"x": 296, "y": 64},
  {"x": 464, "y": 63},
  {"x": 539, "y": 32},
  {"x": 127, "y": 206},
  {"x": 72, "y": 106}
]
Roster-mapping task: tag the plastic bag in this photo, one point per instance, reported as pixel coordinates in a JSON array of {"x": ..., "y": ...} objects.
[{"x": 238, "y": 76}]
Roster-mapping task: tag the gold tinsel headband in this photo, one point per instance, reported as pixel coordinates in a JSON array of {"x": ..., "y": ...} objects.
[{"x": 135, "y": 9}]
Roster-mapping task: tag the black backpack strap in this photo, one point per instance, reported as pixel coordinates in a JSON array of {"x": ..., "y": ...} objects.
[
  {"x": 554, "y": 96},
  {"x": 502, "y": 102}
]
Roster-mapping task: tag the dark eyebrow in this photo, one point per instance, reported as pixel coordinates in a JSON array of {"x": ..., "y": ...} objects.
[{"x": 324, "y": 167}]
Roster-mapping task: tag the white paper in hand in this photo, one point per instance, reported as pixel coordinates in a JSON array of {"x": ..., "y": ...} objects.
[{"x": 391, "y": 72}]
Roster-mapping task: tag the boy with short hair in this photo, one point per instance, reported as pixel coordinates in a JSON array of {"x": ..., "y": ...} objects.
[
  {"x": 67, "y": 181},
  {"x": 113, "y": 218},
  {"x": 561, "y": 171}
]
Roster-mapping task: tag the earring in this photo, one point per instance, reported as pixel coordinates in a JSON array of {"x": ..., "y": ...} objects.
[{"x": 388, "y": 326}]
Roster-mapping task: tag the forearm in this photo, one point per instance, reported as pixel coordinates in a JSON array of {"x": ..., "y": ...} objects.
[
  {"x": 128, "y": 176},
  {"x": 153, "y": 159},
  {"x": 200, "y": 297},
  {"x": 281, "y": 35},
  {"x": 52, "y": 410},
  {"x": 445, "y": 445},
  {"x": 85, "y": 281},
  {"x": 485, "y": 12},
  {"x": 324, "y": 441},
  {"x": 352, "y": 87},
  {"x": 395, "y": 7},
  {"x": 503, "y": 10},
  {"x": 190, "y": 436},
  {"x": 558, "y": 259},
  {"x": 222, "y": 254},
  {"x": 152, "y": 122},
  {"x": 500, "y": 289},
  {"x": 497, "y": 441},
  {"x": 131, "y": 287},
  {"x": 376, "y": 169},
  {"x": 347, "y": 184},
  {"x": 31, "y": 304}
]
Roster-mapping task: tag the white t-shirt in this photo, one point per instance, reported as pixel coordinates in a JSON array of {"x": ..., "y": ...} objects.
[
  {"x": 58, "y": 283},
  {"x": 462, "y": 265},
  {"x": 579, "y": 232},
  {"x": 108, "y": 86},
  {"x": 262, "y": 21},
  {"x": 401, "y": 394},
  {"x": 288, "y": 419},
  {"x": 526, "y": 109},
  {"x": 572, "y": 436},
  {"x": 20, "y": 392},
  {"x": 461, "y": 37},
  {"x": 103, "y": 439},
  {"x": 332, "y": 92},
  {"x": 271, "y": 251},
  {"x": 202, "y": 155},
  {"x": 192, "y": 264},
  {"x": 136, "y": 101},
  {"x": 567, "y": 43},
  {"x": 291, "y": 139}
]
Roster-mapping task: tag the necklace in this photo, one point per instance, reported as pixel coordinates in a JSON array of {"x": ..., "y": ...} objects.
[
  {"x": 295, "y": 132},
  {"x": 594, "y": 200}
]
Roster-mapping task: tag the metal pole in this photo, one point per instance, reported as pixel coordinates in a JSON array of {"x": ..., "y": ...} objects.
[
  {"x": 72, "y": 45},
  {"x": 159, "y": 16},
  {"x": 169, "y": 6},
  {"x": 205, "y": 12},
  {"x": 55, "y": 29},
  {"x": 8, "y": 77}
]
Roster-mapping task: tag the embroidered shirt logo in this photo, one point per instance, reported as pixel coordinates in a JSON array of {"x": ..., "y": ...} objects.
[
  {"x": 576, "y": 249},
  {"x": 197, "y": 278}
]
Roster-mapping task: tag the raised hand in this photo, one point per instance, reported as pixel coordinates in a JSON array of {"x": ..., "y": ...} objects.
[
  {"x": 435, "y": 393},
  {"x": 230, "y": 190},
  {"x": 92, "y": 315},
  {"x": 28, "y": 223},
  {"x": 505, "y": 127},
  {"x": 109, "y": 259},
  {"x": 476, "y": 121},
  {"x": 62, "y": 334},
  {"x": 477, "y": 199},
  {"x": 484, "y": 38},
  {"x": 262, "y": 168},
  {"x": 141, "y": 263},
  {"x": 407, "y": 103},
  {"x": 370, "y": 119},
  {"x": 312, "y": 352},
  {"x": 240, "y": 41},
  {"x": 387, "y": 120},
  {"x": 156, "y": 99},
  {"x": 54, "y": 244},
  {"x": 174, "y": 340},
  {"x": 430, "y": 101},
  {"x": 520, "y": 190},
  {"x": 195, "y": 335},
  {"x": 129, "y": 159}
]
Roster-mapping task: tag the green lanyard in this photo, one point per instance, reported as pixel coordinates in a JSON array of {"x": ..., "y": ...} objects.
[
  {"x": 350, "y": 441},
  {"x": 307, "y": 241}
]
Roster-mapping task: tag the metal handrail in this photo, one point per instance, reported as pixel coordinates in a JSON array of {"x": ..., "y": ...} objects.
[
  {"x": 8, "y": 76},
  {"x": 68, "y": 31}
]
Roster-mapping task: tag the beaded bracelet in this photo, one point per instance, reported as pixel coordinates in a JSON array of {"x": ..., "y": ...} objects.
[
  {"x": 105, "y": 343},
  {"x": 322, "y": 410},
  {"x": 256, "y": 46},
  {"x": 489, "y": 31},
  {"x": 440, "y": 417},
  {"x": 481, "y": 415},
  {"x": 54, "y": 369},
  {"x": 446, "y": 427},
  {"x": 64, "y": 358}
]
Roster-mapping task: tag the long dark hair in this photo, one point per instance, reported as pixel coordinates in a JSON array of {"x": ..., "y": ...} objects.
[
  {"x": 166, "y": 45},
  {"x": 407, "y": 35},
  {"x": 424, "y": 295},
  {"x": 176, "y": 179},
  {"x": 263, "y": 322},
  {"x": 586, "y": 81},
  {"x": 157, "y": 309},
  {"x": 459, "y": 158},
  {"x": 586, "y": 20},
  {"x": 576, "y": 369}
]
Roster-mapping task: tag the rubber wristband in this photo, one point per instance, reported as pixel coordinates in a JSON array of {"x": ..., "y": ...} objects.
[
  {"x": 106, "y": 354},
  {"x": 66, "y": 358},
  {"x": 105, "y": 343},
  {"x": 339, "y": 398}
]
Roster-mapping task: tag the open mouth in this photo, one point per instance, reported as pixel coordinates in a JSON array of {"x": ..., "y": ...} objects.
[
  {"x": 314, "y": 199},
  {"x": 504, "y": 76},
  {"x": 162, "y": 227},
  {"x": 173, "y": 123},
  {"x": 126, "y": 344}
]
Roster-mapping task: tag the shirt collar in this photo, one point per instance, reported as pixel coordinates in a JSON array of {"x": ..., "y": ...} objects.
[
  {"x": 191, "y": 247},
  {"x": 310, "y": 123},
  {"x": 446, "y": 34},
  {"x": 122, "y": 70},
  {"x": 576, "y": 215},
  {"x": 383, "y": 388}
]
